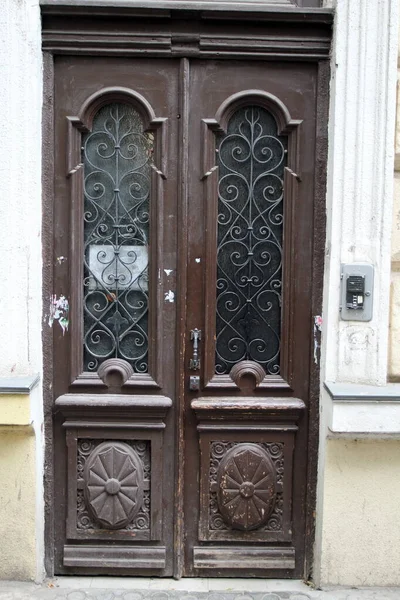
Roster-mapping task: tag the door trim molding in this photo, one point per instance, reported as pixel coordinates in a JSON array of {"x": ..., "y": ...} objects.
[
  {"x": 289, "y": 8},
  {"x": 164, "y": 35}
]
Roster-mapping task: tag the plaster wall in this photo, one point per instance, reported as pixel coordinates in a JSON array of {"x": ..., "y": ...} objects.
[
  {"x": 21, "y": 449},
  {"x": 361, "y": 529},
  {"x": 18, "y": 552},
  {"x": 357, "y": 535}
]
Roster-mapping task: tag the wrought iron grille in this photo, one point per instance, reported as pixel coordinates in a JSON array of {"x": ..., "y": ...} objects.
[
  {"x": 251, "y": 158},
  {"x": 117, "y": 156}
]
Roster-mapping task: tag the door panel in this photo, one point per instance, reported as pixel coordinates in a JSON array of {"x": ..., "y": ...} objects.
[
  {"x": 145, "y": 423},
  {"x": 242, "y": 293},
  {"x": 114, "y": 366}
]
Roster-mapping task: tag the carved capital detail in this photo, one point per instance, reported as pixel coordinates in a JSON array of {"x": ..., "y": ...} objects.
[
  {"x": 246, "y": 481},
  {"x": 113, "y": 484}
]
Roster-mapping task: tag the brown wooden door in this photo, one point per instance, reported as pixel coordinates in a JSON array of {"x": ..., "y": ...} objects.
[{"x": 182, "y": 315}]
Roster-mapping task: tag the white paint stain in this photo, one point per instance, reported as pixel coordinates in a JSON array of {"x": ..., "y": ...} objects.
[
  {"x": 168, "y": 272},
  {"x": 197, "y": 260},
  {"x": 61, "y": 259},
  {"x": 169, "y": 296},
  {"x": 59, "y": 310}
]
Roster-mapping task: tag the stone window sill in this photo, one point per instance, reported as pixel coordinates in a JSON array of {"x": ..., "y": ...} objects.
[{"x": 364, "y": 410}]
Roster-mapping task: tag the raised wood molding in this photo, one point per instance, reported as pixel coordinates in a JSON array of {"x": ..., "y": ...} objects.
[
  {"x": 127, "y": 557},
  {"x": 163, "y": 7},
  {"x": 244, "y": 558},
  {"x": 68, "y": 30},
  {"x": 292, "y": 177},
  {"x": 76, "y": 126},
  {"x": 243, "y": 412},
  {"x": 98, "y": 406}
]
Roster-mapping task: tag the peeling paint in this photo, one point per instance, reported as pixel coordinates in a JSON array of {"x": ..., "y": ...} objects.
[
  {"x": 59, "y": 310},
  {"x": 169, "y": 296},
  {"x": 168, "y": 272},
  {"x": 197, "y": 260},
  {"x": 317, "y": 329}
]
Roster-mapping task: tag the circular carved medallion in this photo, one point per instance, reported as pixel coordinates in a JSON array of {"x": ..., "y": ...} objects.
[
  {"x": 246, "y": 487},
  {"x": 113, "y": 484}
]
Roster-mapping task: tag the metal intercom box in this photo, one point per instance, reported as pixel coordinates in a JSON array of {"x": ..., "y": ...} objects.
[{"x": 356, "y": 292}]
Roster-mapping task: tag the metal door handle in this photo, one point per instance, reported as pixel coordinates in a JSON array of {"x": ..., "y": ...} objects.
[{"x": 195, "y": 335}]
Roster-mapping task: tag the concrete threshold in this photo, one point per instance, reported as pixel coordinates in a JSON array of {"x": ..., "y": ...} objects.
[{"x": 130, "y": 588}]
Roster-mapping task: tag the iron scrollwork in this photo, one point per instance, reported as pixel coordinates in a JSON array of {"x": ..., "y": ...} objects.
[
  {"x": 117, "y": 159},
  {"x": 251, "y": 158}
]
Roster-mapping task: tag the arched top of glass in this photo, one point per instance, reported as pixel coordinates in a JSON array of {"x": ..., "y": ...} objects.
[
  {"x": 251, "y": 157},
  {"x": 117, "y": 158}
]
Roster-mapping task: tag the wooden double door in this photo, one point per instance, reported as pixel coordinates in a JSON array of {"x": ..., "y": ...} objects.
[{"x": 183, "y": 331}]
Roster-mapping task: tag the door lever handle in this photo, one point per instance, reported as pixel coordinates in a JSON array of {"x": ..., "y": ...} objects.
[{"x": 194, "y": 364}]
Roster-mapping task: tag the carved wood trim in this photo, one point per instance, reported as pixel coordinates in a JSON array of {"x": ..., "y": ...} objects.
[
  {"x": 253, "y": 487},
  {"x": 78, "y": 125},
  {"x": 217, "y": 471},
  {"x": 114, "y": 513},
  {"x": 292, "y": 177},
  {"x": 84, "y": 441}
]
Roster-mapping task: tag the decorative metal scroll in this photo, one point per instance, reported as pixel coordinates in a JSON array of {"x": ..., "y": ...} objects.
[
  {"x": 251, "y": 160},
  {"x": 117, "y": 166}
]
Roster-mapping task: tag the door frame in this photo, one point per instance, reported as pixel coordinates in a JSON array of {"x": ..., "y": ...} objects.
[{"x": 299, "y": 34}]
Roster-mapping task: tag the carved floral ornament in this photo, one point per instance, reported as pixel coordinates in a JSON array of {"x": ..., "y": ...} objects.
[
  {"x": 113, "y": 484},
  {"x": 246, "y": 487}
]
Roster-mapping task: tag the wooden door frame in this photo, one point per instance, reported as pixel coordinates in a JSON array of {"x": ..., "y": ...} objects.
[{"x": 299, "y": 34}]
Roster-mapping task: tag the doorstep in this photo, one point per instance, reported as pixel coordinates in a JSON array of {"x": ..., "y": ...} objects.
[{"x": 129, "y": 588}]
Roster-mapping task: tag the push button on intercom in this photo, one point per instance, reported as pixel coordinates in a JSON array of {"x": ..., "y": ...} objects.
[{"x": 355, "y": 292}]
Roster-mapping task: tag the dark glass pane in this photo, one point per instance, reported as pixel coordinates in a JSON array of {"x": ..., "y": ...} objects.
[
  {"x": 117, "y": 165},
  {"x": 251, "y": 159}
]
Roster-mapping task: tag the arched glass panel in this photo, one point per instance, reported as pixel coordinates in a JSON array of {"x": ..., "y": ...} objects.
[
  {"x": 117, "y": 165},
  {"x": 251, "y": 158}
]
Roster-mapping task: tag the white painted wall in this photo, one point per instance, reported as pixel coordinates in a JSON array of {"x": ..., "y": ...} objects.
[
  {"x": 21, "y": 212},
  {"x": 360, "y": 182},
  {"x": 359, "y": 217},
  {"x": 394, "y": 329},
  {"x": 20, "y": 192}
]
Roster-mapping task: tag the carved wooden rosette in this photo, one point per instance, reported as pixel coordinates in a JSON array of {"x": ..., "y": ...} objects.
[
  {"x": 113, "y": 485},
  {"x": 246, "y": 481}
]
